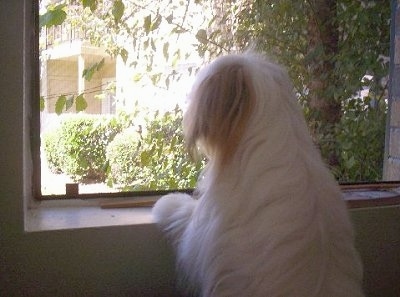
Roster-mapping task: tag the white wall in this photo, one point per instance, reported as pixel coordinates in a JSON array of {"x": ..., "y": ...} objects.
[{"x": 113, "y": 261}]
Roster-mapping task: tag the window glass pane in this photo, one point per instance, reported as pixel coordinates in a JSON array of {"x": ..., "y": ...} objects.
[{"x": 114, "y": 78}]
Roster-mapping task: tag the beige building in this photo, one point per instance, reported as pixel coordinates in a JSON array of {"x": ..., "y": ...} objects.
[{"x": 65, "y": 56}]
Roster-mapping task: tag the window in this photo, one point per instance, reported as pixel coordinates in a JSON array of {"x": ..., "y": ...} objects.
[
  {"x": 112, "y": 92},
  {"x": 113, "y": 77}
]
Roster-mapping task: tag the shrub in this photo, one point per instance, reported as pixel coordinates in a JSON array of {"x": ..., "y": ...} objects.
[
  {"x": 123, "y": 156},
  {"x": 360, "y": 140},
  {"x": 156, "y": 158},
  {"x": 78, "y": 146},
  {"x": 92, "y": 148},
  {"x": 53, "y": 150},
  {"x": 165, "y": 153}
]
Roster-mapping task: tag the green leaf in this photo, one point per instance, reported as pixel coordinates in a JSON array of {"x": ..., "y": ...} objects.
[
  {"x": 100, "y": 64},
  {"x": 80, "y": 103},
  {"x": 176, "y": 57},
  {"x": 53, "y": 17},
  {"x": 147, "y": 24},
  {"x": 153, "y": 45},
  {"x": 201, "y": 36},
  {"x": 60, "y": 104},
  {"x": 173, "y": 142},
  {"x": 69, "y": 102},
  {"x": 167, "y": 81},
  {"x": 118, "y": 10},
  {"x": 146, "y": 44},
  {"x": 170, "y": 18},
  {"x": 42, "y": 103},
  {"x": 156, "y": 23},
  {"x": 350, "y": 162},
  {"x": 145, "y": 158},
  {"x": 177, "y": 30},
  {"x": 165, "y": 50},
  {"x": 124, "y": 55},
  {"x": 92, "y": 4},
  {"x": 89, "y": 72},
  {"x": 137, "y": 77},
  {"x": 155, "y": 78}
]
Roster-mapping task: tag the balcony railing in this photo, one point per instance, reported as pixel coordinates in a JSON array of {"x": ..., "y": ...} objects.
[{"x": 63, "y": 33}]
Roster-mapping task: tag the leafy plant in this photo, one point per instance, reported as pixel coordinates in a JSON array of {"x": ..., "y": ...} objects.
[
  {"x": 324, "y": 45},
  {"x": 360, "y": 140},
  {"x": 165, "y": 153},
  {"x": 152, "y": 157},
  {"x": 124, "y": 158},
  {"x": 52, "y": 147},
  {"x": 55, "y": 15},
  {"x": 328, "y": 53},
  {"x": 78, "y": 146}
]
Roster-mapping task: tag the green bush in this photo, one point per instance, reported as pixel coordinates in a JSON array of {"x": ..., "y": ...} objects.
[
  {"x": 153, "y": 159},
  {"x": 92, "y": 148},
  {"x": 165, "y": 153},
  {"x": 78, "y": 146},
  {"x": 360, "y": 140},
  {"x": 123, "y": 156},
  {"x": 52, "y": 148}
]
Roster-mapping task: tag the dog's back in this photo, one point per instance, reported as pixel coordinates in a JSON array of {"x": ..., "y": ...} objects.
[{"x": 270, "y": 219}]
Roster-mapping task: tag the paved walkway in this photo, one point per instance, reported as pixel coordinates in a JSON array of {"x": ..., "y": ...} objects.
[{"x": 55, "y": 183}]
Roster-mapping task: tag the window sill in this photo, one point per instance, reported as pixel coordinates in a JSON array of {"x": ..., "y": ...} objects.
[
  {"x": 78, "y": 214},
  {"x": 367, "y": 198}
]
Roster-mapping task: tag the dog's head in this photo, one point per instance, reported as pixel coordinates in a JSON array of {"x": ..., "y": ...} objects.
[
  {"x": 236, "y": 94},
  {"x": 220, "y": 105}
]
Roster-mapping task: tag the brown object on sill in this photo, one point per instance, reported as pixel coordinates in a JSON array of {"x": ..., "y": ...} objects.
[{"x": 72, "y": 190}]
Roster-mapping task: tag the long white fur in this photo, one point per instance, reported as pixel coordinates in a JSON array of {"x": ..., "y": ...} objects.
[{"x": 271, "y": 222}]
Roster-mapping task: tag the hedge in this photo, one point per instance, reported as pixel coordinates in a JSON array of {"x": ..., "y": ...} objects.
[
  {"x": 78, "y": 146},
  {"x": 116, "y": 150}
]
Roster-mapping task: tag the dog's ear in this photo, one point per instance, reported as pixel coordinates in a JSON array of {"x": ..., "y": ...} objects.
[{"x": 220, "y": 107}]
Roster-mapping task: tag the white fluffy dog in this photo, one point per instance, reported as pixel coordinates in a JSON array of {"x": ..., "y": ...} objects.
[{"x": 267, "y": 218}]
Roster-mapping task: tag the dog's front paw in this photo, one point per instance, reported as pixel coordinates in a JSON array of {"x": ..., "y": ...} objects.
[
  {"x": 172, "y": 212},
  {"x": 172, "y": 206}
]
